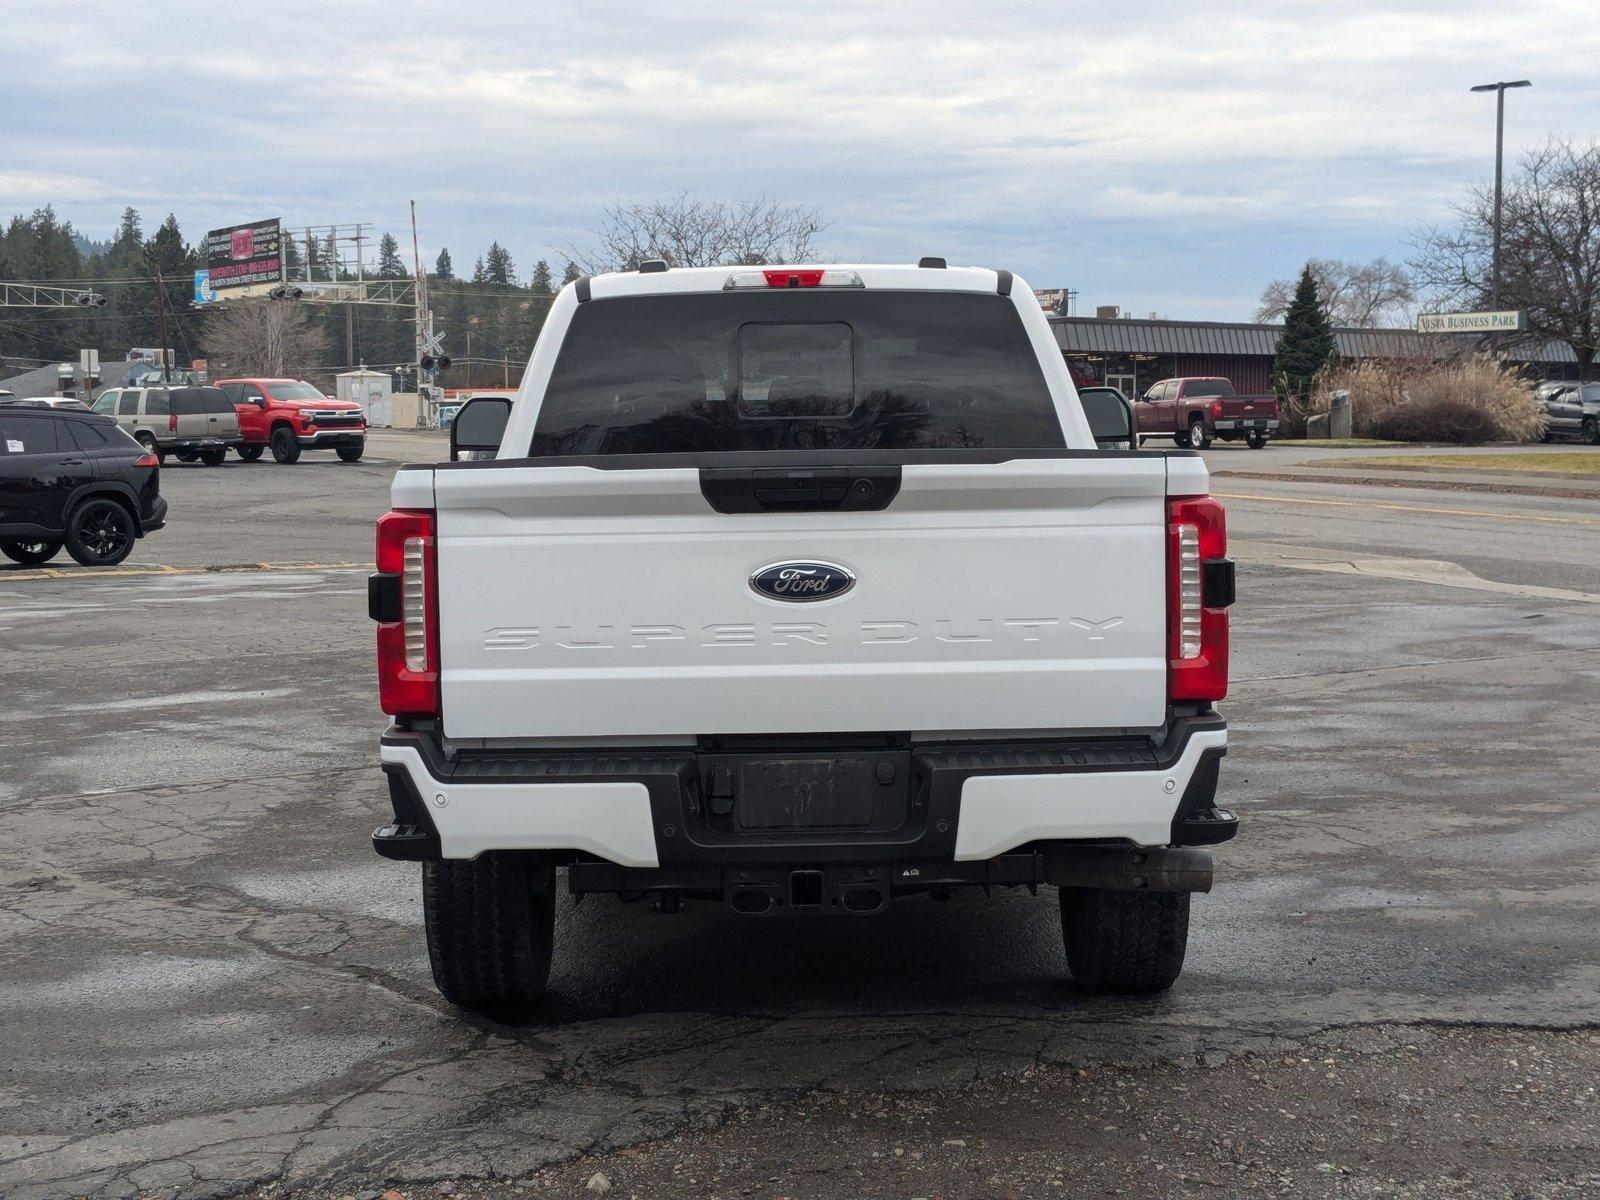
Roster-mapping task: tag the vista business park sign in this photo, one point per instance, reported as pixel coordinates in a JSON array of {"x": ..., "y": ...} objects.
[
  {"x": 245, "y": 255},
  {"x": 1473, "y": 322}
]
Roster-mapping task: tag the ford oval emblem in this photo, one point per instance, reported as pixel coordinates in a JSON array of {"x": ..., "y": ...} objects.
[{"x": 802, "y": 582}]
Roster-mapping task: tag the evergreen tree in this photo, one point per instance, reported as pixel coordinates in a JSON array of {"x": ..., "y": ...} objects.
[
  {"x": 1306, "y": 345},
  {"x": 389, "y": 264},
  {"x": 541, "y": 284},
  {"x": 500, "y": 268},
  {"x": 443, "y": 268},
  {"x": 572, "y": 272},
  {"x": 479, "y": 275},
  {"x": 127, "y": 247}
]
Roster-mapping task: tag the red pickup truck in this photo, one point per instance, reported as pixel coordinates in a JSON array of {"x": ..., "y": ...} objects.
[
  {"x": 290, "y": 415},
  {"x": 1196, "y": 409}
]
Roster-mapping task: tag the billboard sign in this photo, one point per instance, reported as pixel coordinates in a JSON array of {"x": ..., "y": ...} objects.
[
  {"x": 1473, "y": 322},
  {"x": 1052, "y": 300},
  {"x": 244, "y": 256},
  {"x": 202, "y": 288}
]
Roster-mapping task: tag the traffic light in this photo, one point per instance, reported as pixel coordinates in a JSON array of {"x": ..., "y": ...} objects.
[
  {"x": 286, "y": 291},
  {"x": 89, "y": 300}
]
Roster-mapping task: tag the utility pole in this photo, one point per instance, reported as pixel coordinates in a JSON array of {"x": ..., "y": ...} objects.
[
  {"x": 424, "y": 415},
  {"x": 161, "y": 326},
  {"x": 350, "y": 337},
  {"x": 1499, "y": 89}
]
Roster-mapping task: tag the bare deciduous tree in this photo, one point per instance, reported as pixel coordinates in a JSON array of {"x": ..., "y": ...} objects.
[
  {"x": 688, "y": 232},
  {"x": 1362, "y": 295},
  {"x": 1549, "y": 248},
  {"x": 262, "y": 337}
]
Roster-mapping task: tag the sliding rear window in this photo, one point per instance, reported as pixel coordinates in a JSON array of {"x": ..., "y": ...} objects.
[{"x": 795, "y": 369}]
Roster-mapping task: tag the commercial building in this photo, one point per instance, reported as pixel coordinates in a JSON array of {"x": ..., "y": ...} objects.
[{"x": 1132, "y": 354}]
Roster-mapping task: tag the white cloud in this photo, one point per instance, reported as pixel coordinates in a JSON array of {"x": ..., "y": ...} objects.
[{"x": 1155, "y": 153}]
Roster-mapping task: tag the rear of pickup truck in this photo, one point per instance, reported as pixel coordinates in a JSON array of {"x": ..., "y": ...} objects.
[{"x": 801, "y": 590}]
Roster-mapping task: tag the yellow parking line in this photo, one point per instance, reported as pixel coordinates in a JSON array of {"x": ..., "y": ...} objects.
[
  {"x": 155, "y": 570},
  {"x": 1420, "y": 508}
]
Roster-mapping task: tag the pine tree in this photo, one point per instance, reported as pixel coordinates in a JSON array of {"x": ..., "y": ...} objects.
[
  {"x": 1306, "y": 345},
  {"x": 572, "y": 272},
  {"x": 500, "y": 267},
  {"x": 479, "y": 275},
  {"x": 389, "y": 264},
  {"x": 541, "y": 284},
  {"x": 443, "y": 268}
]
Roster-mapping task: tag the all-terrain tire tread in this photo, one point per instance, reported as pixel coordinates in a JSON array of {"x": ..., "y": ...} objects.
[
  {"x": 1124, "y": 941},
  {"x": 490, "y": 926}
]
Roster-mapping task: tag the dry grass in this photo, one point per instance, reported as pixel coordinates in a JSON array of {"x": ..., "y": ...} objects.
[
  {"x": 1583, "y": 464},
  {"x": 1466, "y": 401}
]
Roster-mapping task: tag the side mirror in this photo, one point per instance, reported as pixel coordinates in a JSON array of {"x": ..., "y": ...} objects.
[
  {"x": 479, "y": 425},
  {"x": 1110, "y": 417}
]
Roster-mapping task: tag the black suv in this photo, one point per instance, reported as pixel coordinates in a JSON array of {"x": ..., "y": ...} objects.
[{"x": 74, "y": 479}]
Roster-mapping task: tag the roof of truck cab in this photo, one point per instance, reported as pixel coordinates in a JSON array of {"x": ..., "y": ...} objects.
[{"x": 892, "y": 276}]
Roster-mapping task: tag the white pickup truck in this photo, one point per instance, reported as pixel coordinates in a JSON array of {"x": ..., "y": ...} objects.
[{"x": 801, "y": 590}]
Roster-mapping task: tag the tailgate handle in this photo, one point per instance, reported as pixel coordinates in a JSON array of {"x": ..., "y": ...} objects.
[{"x": 799, "y": 489}]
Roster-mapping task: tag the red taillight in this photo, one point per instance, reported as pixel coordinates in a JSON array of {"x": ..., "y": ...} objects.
[
  {"x": 408, "y": 649},
  {"x": 1216, "y": 408},
  {"x": 810, "y": 277},
  {"x": 1197, "y": 628},
  {"x": 147, "y": 460}
]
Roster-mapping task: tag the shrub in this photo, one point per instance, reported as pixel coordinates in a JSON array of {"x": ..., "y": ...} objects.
[{"x": 1467, "y": 401}]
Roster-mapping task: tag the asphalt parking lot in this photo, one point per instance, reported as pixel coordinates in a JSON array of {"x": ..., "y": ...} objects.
[{"x": 211, "y": 985}]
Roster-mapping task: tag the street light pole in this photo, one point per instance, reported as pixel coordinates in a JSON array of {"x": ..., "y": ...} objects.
[{"x": 1499, "y": 89}]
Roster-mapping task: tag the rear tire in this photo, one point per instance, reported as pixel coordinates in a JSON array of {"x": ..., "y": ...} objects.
[
  {"x": 1125, "y": 942},
  {"x": 214, "y": 458},
  {"x": 285, "y": 446},
  {"x": 1591, "y": 431},
  {"x": 100, "y": 533},
  {"x": 30, "y": 554},
  {"x": 351, "y": 453},
  {"x": 491, "y": 928},
  {"x": 1255, "y": 440},
  {"x": 249, "y": 453},
  {"x": 186, "y": 455},
  {"x": 149, "y": 443},
  {"x": 1199, "y": 434}
]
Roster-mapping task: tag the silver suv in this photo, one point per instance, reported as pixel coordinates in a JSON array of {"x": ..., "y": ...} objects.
[
  {"x": 1572, "y": 410},
  {"x": 187, "y": 422}
]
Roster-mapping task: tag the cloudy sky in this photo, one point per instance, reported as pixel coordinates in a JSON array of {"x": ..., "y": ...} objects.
[{"x": 1168, "y": 157}]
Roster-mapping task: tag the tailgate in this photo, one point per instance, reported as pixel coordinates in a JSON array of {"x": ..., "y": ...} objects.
[
  {"x": 1250, "y": 406},
  {"x": 577, "y": 602}
]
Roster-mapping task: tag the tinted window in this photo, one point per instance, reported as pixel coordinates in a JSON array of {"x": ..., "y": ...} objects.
[
  {"x": 158, "y": 403},
  {"x": 795, "y": 369},
  {"x": 1207, "y": 387},
  {"x": 89, "y": 435},
  {"x": 27, "y": 433},
  {"x": 127, "y": 404},
  {"x": 195, "y": 400},
  {"x": 1591, "y": 392},
  {"x": 106, "y": 404},
  {"x": 294, "y": 391}
]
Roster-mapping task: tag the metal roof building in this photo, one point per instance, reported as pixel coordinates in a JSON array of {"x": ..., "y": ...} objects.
[{"x": 1133, "y": 354}]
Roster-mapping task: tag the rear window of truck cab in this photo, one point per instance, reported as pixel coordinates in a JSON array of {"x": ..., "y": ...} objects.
[{"x": 795, "y": 369}]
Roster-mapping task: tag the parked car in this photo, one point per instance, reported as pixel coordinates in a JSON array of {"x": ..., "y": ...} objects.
[
  {"x": 853, "y": 610},
  {"x": 187, "y": 422},
  {"x": 74, "y": 479},
  {"x": 6, "y": 396},
  {"x": 290, "y": 415},
  {"x": 1195, "y": 409},
  {"x": 68, "y": 402},
  {"x": 1572, "y": 409}
]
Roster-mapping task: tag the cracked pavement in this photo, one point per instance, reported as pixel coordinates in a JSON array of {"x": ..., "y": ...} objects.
[{"x": 210, "y": 983}]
